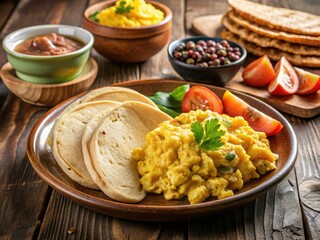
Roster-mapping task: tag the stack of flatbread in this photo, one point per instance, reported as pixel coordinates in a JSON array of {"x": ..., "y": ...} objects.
[
  {"x": 93, "y": 138},
  {"x": 276, "y": 32}
]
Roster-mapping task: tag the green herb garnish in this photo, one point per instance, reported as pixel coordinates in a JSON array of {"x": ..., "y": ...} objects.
[
  {"x": 122, "y": 8},
  {"x": 170, "y": 103},
  {"x": 230, "y": 156},
  {"x": 208, "y": 138},
  {"x": 93, "y": 16},
  {"x": 225, "y": 169},
  {"x": 227, "y": 123}
]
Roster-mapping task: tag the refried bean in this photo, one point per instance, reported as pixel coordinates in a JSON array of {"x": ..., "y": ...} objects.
[{"x": 49, "y": 45}]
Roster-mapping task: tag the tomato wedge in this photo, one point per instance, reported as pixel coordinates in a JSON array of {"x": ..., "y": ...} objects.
[
  {"x": 259, "y": 73},
  {"x": 203, "y": 98},
  {"x": 308, "y": 82},
  {"x": 234, "y": 106},
  {"x": 286, "y": 81}
]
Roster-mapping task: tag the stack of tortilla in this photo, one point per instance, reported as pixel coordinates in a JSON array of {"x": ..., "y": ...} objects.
[
  {"x": 276, "y": 32},
  {"x": 93, "y": 138}
]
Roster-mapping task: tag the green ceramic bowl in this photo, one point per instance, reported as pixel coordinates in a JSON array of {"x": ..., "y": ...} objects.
[{"x": 48, "y": 69}]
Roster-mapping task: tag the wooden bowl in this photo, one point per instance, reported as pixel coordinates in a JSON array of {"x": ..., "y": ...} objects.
[
  {"x": 128, "y": 45},
  {"x": 49, "y": 94}
]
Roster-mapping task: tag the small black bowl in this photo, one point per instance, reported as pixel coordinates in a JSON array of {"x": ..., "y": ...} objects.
[{"x": 214, "y": 75}]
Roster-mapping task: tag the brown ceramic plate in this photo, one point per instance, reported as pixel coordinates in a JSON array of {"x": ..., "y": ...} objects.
[{"x": 155, "y": 207}]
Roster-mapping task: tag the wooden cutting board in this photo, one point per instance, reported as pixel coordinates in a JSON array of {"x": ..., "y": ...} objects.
[{"x": 301, "y": 106}]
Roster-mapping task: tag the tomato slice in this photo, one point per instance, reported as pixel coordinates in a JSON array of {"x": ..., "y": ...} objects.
[
  {"x": 259, "y": 73},
  {"x": 308, "y": 82},
  {"x": 286, "y": 81},
  {"x": 203, "y": 98},
  {"x": 234, "y": 106}
]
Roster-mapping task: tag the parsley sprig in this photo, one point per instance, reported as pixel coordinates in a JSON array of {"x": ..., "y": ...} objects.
[
  {"x": 122, "y": 8},
  {"x": 93, "y": 16},
  {"x": 209, "y": 137}
]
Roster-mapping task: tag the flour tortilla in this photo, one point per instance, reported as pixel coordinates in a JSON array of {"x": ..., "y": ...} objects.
[
  {"x": 67, "y": 136},
  {"x": 281, "y": 19},
  {"x": 273, "y": 53},
  {"x": 275, "y": 34},
  {"x": 118, "y": 94},
  {"x": 113, "y": 168},
  {"x": 264, "y": 41},
  {"x": 91, "y": 126}
]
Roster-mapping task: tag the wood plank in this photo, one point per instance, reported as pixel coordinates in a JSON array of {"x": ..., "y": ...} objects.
[
  {"x": 65, "y": 218},
  {"x": 22, "y": 192},
  {"x": 6, "y": 9},
  {"x": 307, "y": 170},
  {"x": 23, "y": 195}
]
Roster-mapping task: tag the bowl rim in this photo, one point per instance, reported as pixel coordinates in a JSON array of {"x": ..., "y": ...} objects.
[
  {"x": 85, "y": 48},
  {"x": 196, "y": 38},
  {"x": 166, "y": 10}
]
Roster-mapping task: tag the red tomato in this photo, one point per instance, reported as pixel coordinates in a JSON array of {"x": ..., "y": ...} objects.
[
  {"x": 286, "y": 81},
  {"x": 259, "y": 73},
  {"x": 203, "y": 98},
  {"x": 308, "y": 82},
  {"x": 234, "y": 106}
]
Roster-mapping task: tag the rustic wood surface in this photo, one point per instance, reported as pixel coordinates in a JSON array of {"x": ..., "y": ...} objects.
[{"x": 29, "y": 209}]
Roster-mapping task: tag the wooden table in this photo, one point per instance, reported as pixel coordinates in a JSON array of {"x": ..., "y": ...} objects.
[{"x": 30, "y": 209}]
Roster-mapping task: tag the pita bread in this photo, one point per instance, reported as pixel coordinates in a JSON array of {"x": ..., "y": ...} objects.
[
  {"x": 67, "y": 137},
  {"x": 273, "y": 53},
  {"x": 263, "y": 41},
  {"x": 282, "y": 19},
  {"x": 289, "y": 37},
  {"x": 125, "y": 128}
]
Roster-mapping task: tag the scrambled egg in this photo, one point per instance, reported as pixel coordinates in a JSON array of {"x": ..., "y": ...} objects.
[
  {"x": 172, "y": 163},
  {"x": 140, "y": 14}
]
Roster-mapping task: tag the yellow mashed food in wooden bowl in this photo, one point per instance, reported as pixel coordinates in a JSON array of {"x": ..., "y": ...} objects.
[
  {"x": 130, "y": 13},
  {"x": 128, "y": 31},
  {"x": 172, "y": 163}
]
